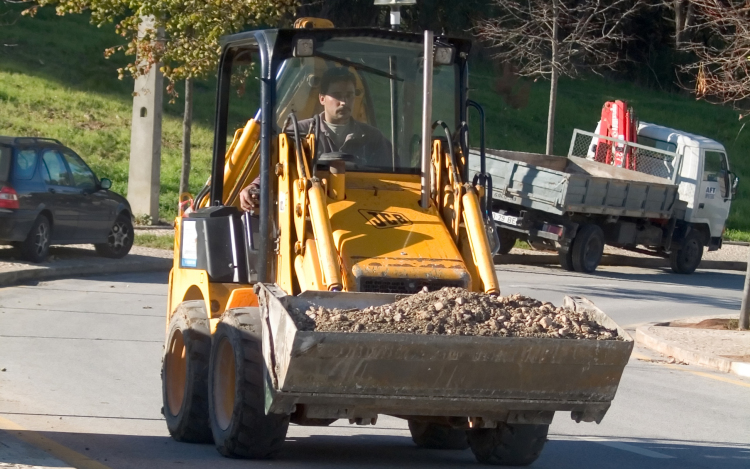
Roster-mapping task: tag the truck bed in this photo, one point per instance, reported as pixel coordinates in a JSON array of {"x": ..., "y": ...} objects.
[
  {"x": 570, "y": 184},
  {"x": 522, "y": 380}
]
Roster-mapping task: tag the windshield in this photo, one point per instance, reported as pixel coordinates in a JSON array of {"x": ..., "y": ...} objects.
[{"x": 368, "y": 92}]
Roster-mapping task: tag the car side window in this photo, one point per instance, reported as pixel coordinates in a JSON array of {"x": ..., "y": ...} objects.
[
  {"x": 83, "y": 177},
  {"x": 25, "y": 164},
  {"x": 55, "y": 173},
  {"x": 714, "y": 165}
]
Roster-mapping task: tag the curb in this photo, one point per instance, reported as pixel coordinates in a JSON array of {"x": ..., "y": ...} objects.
[
  {"x": 616, "y": 260},
  {"x": 129, "y": 264},
  {"x": 645, "y": 338}
]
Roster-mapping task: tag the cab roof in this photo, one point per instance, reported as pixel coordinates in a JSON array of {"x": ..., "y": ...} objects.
[{"x": 678, "y": 137}]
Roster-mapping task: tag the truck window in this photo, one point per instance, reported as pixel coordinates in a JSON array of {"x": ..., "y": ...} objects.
[
  {"x": 25, "y": 164},
  {"x": 714, "y": 166},
  {"x": 659, "y": 144}
]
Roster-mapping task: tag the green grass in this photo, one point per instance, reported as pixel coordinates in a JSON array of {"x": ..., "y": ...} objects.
[
  {"x": 150, "y": 240},
  {"x": 55, "y": 82},
  {"x": 737, "y": 235}
]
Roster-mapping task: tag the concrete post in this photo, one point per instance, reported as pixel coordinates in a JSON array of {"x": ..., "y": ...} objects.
[{"x": 145, "y": 141}]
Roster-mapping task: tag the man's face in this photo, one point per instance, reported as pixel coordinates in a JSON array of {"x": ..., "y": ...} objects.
[{"x": 338, "y": 101}]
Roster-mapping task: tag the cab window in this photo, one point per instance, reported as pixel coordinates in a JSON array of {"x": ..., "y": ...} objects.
[
  {"x": 55, "y": 173},
  {"x": 714, "y": 166}
]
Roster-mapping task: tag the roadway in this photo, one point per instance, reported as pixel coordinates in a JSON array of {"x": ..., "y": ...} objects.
[{"x": 81, "y": 380}]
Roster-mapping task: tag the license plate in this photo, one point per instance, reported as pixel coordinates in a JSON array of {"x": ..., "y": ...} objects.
[{"x": 507, "y": 219}]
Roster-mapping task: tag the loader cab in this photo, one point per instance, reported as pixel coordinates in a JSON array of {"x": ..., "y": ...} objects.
[{"x": 278, "y": 75}]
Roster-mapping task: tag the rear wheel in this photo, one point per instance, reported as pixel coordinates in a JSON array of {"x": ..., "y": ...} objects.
[
  {"x": 434, "y": 436},
  {"x": 508, "y": 445},
  {"x": 687, "y": 258},
  {"x": 35, "y": 247},
  {"x": 588, "y": 247},
  {"x": 566, "y": 259},
  {"x": 240, "y": 425},
  {"x": 184, "y": 374},
  {"x": 119, "y": 239},
  {"x": 507, "y": 240}
]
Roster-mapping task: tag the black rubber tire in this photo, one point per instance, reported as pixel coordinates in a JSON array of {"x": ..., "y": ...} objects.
[
  {"x": 246, "y": 431},
  {"x": 687, "y": 257},
  {"x": 508, "y": 445},
  {"x": 119, "y": 240},
  {"x": 35, "y": 248},
  {"x": 434, "y": 436},
  {"x": 566, "y": 259},
  {"x": 187, "y": 418},
  {"x": 588, "y": 247},
  {"x": 507, "y": 240}
]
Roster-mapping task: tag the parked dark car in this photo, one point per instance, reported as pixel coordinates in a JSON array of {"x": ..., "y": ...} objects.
[{"x": 48, "y": 195}]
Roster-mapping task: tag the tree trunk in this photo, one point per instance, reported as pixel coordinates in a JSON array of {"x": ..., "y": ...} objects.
[
  {"x": 745, "y": 308},
  {"x": 553, "y": 82},
  {"x": 187, "y": 122}
]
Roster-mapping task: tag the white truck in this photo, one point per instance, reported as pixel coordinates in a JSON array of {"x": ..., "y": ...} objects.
[{"x": 673, "y": 205}]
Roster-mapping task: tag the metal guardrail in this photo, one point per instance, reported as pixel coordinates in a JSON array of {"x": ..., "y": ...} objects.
[{"x": 641, "y": 158}]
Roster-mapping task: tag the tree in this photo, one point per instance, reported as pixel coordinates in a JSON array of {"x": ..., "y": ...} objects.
[
  {"x": 183, "y": 40},
  {"x": 553, "y": 38},
  {"x": 722, "y": 70}
]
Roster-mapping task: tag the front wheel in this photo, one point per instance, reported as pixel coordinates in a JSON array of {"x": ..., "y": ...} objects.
[
  {"x": 119, "y": 239},
  {"x": 687, "y": 258},
  {"x": 508, "y": 445},
  {"x": 240, "y": 425}
]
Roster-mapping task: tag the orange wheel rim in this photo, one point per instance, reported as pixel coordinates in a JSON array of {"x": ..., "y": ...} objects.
[{"x": 176, "y": 373}]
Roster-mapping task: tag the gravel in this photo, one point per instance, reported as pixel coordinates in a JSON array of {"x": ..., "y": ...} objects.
[{"x": 456, "y": 311}]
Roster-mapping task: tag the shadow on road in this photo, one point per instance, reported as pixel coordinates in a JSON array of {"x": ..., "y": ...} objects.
[{"x": 368, "y": 449}]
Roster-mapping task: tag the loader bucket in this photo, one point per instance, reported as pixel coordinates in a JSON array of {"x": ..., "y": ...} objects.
[{"x": 516, "y": 380}]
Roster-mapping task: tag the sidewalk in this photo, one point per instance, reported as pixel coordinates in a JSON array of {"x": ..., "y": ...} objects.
[
  {"x": 80, "y": 260},
  {"x": 722, "y": 350}
]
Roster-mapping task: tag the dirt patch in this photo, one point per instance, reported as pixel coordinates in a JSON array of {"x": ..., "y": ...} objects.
[
  {"x": 455, "y": 311},
  {"x": 722, "y": 324}
]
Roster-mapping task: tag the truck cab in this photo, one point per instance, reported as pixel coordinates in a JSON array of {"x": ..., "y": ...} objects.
[{"x": 705, "y": 181}]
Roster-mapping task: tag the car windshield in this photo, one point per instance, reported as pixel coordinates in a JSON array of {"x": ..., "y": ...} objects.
[{"x": 385, "y": 116}]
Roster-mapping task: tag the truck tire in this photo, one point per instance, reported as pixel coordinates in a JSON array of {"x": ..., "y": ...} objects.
[
  {"x": 687, "y": 258},
  {"x": 184, "y": 374},
  {"x": 508, "y": 445},
  {"x": 566, "y": 259},
  {"x": 507, "y": 240},
  {"x": 236, "y": 392},
  {"x": 588, "y": 247},
  {"x": 433, "y": 436},
  {"x": 35, "y": 247}
]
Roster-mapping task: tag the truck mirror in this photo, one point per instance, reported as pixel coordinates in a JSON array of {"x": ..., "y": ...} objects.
[
  {"x": 444, "y": 55},
  {"x": 735, "y": 182}
]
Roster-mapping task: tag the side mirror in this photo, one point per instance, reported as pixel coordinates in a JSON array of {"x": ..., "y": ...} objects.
[
  {"x": 735, "y": 181},
  {"x": 105, "y": 183}
]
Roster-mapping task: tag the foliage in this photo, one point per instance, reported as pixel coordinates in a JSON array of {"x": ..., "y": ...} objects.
[
  {"x": 151, "y": 240},
  {"x": 181, "y": 35}
]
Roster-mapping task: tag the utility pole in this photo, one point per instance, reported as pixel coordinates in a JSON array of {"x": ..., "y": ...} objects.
[
  {"x": 145, "y": 140},
  {"x": 745, "y": 308}
]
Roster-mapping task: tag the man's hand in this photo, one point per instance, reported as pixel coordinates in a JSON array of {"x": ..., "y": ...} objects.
[{"x": 250, "y": 198}]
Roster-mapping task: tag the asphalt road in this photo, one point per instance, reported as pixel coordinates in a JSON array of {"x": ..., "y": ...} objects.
[{"x": 82, "y": 361}]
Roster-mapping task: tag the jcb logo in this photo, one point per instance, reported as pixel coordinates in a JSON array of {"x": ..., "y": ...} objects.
[{"x": 385, "y": 219}]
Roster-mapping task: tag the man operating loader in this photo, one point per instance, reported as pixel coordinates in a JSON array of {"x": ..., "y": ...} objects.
[{"x": 339, "y": 131}]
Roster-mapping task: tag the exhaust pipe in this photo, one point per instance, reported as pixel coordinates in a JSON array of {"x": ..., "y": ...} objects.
[{"x": 427, "y": 119}]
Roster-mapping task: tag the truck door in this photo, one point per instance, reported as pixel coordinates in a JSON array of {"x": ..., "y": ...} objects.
[{"x": 713, "y": 197}]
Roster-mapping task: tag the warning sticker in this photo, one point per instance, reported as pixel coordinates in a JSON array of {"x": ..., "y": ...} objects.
[{"x": 189, "y": 244}]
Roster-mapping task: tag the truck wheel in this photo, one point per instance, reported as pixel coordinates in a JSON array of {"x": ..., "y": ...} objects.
[
  {"x": 566, "y": 259},
  {"x": 434, "y": 436},
  {"x": 507, "y": 240},
  {"x": 184, "y": 374},
  {"x": 35, "y": 247},
  {"x": 588, "y": 247},
  {"x": 687, "y": 258},
  {"x": 508, "y": 445},
  {"x": 236, "y": 392}
]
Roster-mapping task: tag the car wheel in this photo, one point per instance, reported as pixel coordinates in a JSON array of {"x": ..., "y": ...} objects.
[
  {"x": 35, "y": 247},
  {"x": 119, "y": 239},
  {"x": 687, "y": 257}
]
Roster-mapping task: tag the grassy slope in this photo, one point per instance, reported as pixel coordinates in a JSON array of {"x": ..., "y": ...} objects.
[{"x": 55, "y": 82}]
